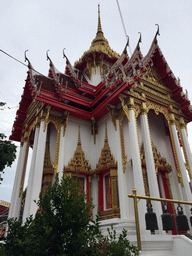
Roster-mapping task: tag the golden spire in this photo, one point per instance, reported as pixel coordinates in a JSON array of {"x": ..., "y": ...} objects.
[
  {"x": 79, "y": 137},
  {"x": 99, "y": 29},
  {"x": 99, "y": 44},
  {"x": 106, "y": 138}
]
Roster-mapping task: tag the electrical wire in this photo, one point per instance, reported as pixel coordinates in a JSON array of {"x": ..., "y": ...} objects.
[
  {"x": 123, "y": 24},
  {"x": 23, "y": 64}
]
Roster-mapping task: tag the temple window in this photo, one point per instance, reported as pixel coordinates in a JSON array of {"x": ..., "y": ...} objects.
[
  {"x": 106, "y": 171},
  {"x": 79, "y": 169}
]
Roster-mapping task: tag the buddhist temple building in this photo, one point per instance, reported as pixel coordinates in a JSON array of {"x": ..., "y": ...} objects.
[{"x": 117, "y": 122}]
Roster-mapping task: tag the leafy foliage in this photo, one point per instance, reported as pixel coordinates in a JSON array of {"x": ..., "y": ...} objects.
[
  {"x": 7, "y": 153},
  {"x": 63, "y": 226}
]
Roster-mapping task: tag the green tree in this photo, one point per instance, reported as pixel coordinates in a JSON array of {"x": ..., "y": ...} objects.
[
  {"x": 63, "y": 226},
  {"x": 7, "y": 153}
]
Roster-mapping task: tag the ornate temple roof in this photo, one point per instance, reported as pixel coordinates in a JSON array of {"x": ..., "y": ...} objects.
[{"x": 70, "y": 92}]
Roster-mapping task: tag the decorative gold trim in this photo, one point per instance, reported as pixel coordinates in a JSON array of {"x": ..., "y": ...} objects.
[
  {"x": 144, "y": 109},
  {"x": 107, "y": 162},
  {"x": 124, "y": 157},
  {"x": 94, "y": 129},
  {"x": 45, "y": 116},
  {"x": 131, "y": 104},
  {"x": 145, "y": 181},
  {"x": 125, "y": 107},
  {"x": 113, "y": 115},
  {"x": 64, "y": 122}
]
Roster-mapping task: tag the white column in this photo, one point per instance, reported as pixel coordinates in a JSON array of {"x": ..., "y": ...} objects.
[
  {"x": 137, "y": 171},
  {"x": 38, "y": 168},
  {"x": 186, "y": 145},
  {"x": 18, "y": 190},
  {"x": 61, "y": 153},
  {"x": 16, "y": 181},
  {"x": 186, "y": 191},
  {"x": 31, "y": 181},
  {"x": 151, "y": 172},
  {"x": 122, "y": 182}
]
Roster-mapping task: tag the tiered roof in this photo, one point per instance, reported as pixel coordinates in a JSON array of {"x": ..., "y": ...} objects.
[{"x": 70, "y": 91}]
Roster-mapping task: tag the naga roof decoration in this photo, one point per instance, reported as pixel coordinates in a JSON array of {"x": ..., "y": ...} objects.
[{"x": 69, "y": 92}]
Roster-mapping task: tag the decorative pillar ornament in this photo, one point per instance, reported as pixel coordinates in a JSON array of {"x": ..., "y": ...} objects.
[
  {"x": 151, "y": 172},
  {"x": 122, "y": 182},
  {"x": 61, "y": 159},
  {"x": 94, "y": 128}
]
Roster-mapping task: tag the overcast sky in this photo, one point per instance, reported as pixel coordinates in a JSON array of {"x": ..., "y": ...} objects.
[{"x": 43, "y": 24}]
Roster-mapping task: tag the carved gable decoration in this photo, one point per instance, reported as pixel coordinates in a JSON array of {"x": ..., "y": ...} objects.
[
  {"x": 78, "y": 163},
  {"x": 160, "y": 162},
  {"x": 106, "y": 160},
  {"x": 153, "y": 77}
]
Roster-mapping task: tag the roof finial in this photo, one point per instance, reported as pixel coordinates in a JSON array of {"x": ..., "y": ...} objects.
[
  {"x": 99, "y": 29},
  {"x": 47, "y": 55},
  {"x": 106, "y": 138},
  {"x": 139, "y": 40},
  {"x": 26, "y": 59},
  {"x": 157, "y": 33},
  {"x": 79, "y": 138},
  {"x": 64, "y": 56}
]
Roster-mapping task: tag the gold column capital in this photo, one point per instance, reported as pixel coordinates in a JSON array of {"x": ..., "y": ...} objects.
[
  {"x": 64, "y": 121},
  {"x": 143, "y": 108},
  {"x": 26, "y": 136},
  {"x": 172, "y": 119},
  {"x": 182, "y": 122},
  {"x": 45, "y": 116},
  {"x": 131, "y": 104}
]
